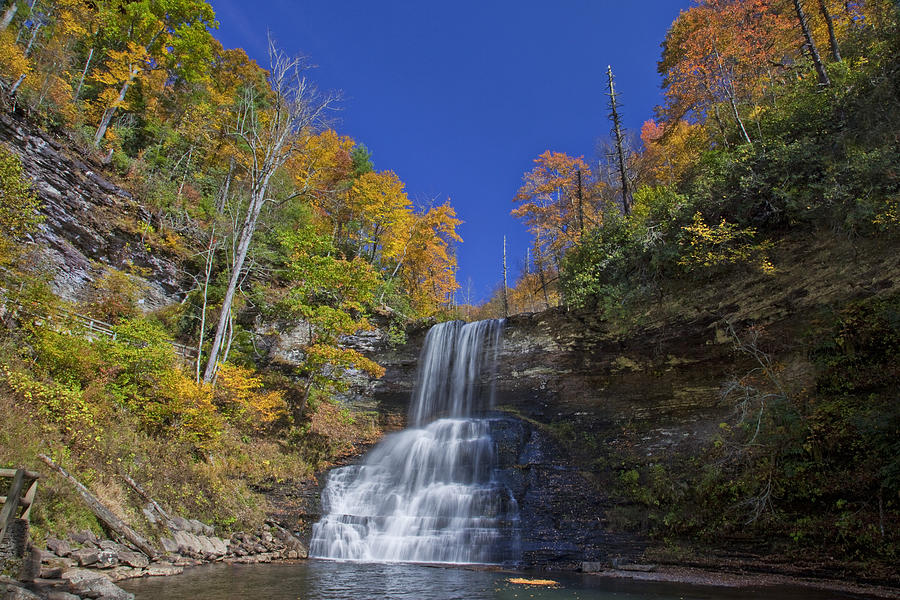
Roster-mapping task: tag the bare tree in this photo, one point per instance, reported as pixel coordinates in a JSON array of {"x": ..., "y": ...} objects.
[
  {"x": 811, "y": 44},
  {"x": 269, "y": 139},
  {"x": 617, "y": 134},
  {"x": 832, "y": 38}
]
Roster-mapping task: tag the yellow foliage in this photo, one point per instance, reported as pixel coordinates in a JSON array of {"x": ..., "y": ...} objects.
[
  {"x": 13, "y": 63},
  {"x": 55, "y": 403},
  {"x": 724, "y": 244},
  {"x": 244, "y": 400}
]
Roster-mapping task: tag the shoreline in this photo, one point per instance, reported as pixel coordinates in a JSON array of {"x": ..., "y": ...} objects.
[{"x": 705, "y": 577}]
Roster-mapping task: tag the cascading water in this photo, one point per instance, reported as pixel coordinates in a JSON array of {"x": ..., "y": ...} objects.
[{"x": 429, "y": 493}]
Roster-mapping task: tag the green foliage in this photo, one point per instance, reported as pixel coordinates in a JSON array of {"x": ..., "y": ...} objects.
[
  {"x": 818, "y": 468},
  {"x": 18, "y": 204}
]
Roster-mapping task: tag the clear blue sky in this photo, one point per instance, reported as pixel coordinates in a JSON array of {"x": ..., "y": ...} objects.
[{"x": 458, "y": 97}]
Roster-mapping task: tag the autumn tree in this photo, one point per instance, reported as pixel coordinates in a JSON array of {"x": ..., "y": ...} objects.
[
  {"x": 554, "y": 200},
  {"x": 147, "y": 36},
  {"x": 723, "y": 53},
  {"x": 269, "y": 135},
  {"x": 670, "y": 150}
]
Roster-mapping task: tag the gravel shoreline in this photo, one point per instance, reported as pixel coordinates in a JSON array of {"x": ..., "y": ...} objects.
[{"x": 694, "y": 576}]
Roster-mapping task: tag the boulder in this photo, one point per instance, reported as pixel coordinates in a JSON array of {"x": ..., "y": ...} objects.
[
  {"x": 59, "y": 547},
  {"x": 85, "y": 556},
  {"x": 197, "y": 527},
  {"x": 161, "y": 570},
  {"x": 134, "y": 559},
  {"x": 84, "y": 537},
  {"x": 94, "y": 585},
  {"x": 51, "y": 572},
  {"x": 169, "y": 545},
  {"x": 15, "y": 592},
  {"x": 107, "y": 559},
  {"x": 60, "y": 595},
  {"x": 180, "y": 523}
]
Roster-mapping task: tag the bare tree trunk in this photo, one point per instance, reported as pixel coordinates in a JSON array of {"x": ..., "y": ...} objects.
[
  {"x": 101, "y": 512},
  {"x": 294, "y": 110},
  {"x": 110, "y": 112},
  {"x": 15, "y": 86},
  {"x": 811, "y": 45},
  {"x": 207, "y": 273},
  {"x": 580, "y": 207},
  {"x": 34, "y": 32},
  {"x": 505, "y": 287},
  {"x": 8, "y": 15},
  {"x": 728, "y": 86},
  {"x": 87, "y": 65},
  {"x": 246, "y": 235},
  {"x": 543, "y": 278},
  {"x": 617, "y": 133},
  {"x": 832, "y": 38}
]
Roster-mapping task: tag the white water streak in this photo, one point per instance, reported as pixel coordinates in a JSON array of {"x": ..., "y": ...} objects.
[{"x": 428, "y": 493}]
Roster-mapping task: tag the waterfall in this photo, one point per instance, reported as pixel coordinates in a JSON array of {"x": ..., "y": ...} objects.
[{"x": 429, "y": 493}]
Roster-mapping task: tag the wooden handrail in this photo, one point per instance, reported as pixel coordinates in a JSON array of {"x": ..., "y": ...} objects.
[
  {"x": 14, "y": 497},
  {"x": 94, "y": 325}
]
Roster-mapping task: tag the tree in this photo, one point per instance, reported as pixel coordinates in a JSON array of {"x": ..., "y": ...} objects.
[
  {"x": 269, "y": 135},
  {"x": 550, "y": 204},
  {"x": 617, "y": 135},
  {"x": 19, "y": 204},
  {"x": 723, "y": 52},
  {"x": 148, "y": 35},
  {"x": 811, "y": 44}
]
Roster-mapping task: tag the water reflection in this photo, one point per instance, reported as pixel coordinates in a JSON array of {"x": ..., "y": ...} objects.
[{"x": 330, "y": 580}]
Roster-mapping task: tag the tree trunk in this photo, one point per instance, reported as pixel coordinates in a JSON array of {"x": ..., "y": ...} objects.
[
  {"x": 543, "y": 278},
  {"x": 811, "y": 44},
  {"x": 243, "y": 247},
  {"x": 110, "y": 112},
  {"x": 101, "y": 512},
  {"x": 87, "y": 65},
  {"x": 505, "y": 287},
  {"x": 580, "y": 207},
  {"x": 617, "y": 133},
  {"x": 832, "y": 39},
  {"x": 8, "y": 15}
]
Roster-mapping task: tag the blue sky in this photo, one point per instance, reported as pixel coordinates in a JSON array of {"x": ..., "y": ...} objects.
[{"x": 459, "y": 97}]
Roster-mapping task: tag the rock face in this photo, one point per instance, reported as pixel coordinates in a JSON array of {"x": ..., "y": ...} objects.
[
  {"x": 580, "y": 393},
  {"x": 90, "y": 222}
]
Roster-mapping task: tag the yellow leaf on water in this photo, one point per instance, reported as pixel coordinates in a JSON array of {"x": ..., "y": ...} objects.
[{"x": 522, "y": 581}]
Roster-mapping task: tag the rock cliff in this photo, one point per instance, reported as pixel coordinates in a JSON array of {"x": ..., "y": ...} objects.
[{"x": 91, "y": 223}]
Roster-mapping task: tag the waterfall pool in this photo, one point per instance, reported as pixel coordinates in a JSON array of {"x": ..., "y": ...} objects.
[{"x": 332, "y": 580}]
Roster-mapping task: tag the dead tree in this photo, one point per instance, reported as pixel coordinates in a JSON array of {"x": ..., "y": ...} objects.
[
  {"x": 617, "y": 135},
  {"x": 811, "y": 45},
  {"x": 269, "y": 140},
  {"x": 505, "y": 286}
]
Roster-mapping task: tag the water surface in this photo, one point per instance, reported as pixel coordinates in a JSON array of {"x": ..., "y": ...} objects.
[{"x": 331, "y": 580}]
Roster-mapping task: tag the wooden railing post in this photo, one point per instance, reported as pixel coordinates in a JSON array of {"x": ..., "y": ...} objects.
[{"x": 10, "y": 507}]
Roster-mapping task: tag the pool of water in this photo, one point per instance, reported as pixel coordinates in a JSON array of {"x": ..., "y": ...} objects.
[{"x": 321, "y": 580}]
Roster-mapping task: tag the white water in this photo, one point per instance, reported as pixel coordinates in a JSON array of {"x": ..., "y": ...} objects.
[{"x": 428, "y": 494}]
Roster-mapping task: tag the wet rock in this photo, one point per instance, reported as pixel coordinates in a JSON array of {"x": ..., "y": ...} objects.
[{"x": 161, "y": 570}]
